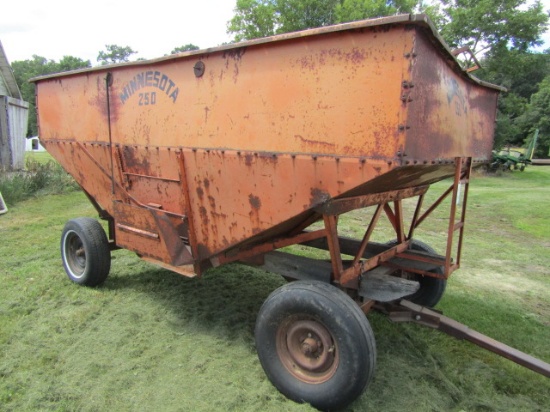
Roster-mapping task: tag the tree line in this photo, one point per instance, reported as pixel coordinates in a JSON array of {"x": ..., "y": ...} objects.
[{"x": 504, "y": 34}]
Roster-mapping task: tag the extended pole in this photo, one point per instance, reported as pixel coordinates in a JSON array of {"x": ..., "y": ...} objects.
[{"x": 407, "y": 311}]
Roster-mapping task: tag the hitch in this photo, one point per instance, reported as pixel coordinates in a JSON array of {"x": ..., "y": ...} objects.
[{"x": 405, "y": 311}]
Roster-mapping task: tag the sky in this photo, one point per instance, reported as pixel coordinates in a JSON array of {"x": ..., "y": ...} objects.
[{"x": 57, "y": 28}]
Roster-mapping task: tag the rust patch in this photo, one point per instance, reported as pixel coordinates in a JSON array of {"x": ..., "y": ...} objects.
[
  {"x": 311, "y": 62},
  {"x": 204, "y": 215},
  {"x": 270, "y": 158},
  {"x": 212, "y": 202},
  {"x": 307, "y": 63},
  {"x": 135, "y": 162},
  {"x": 200, "y": 192},
  {"x": 455, "y": 95},
  {"x": 248, "y": 159},
  {"x": 356, "y": 56},
  {"x": 318, "y": 196},
  {"x": 255, "y": 202},
  {"x": 205, "y": 223},
  {"x": 100, "y": 100},
  {"x": 315, "y": 142},
  {"x": 235, "y": 54}
]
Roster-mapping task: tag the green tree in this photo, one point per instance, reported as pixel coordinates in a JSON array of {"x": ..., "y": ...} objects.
[
  {"x": 510, "y": 129},
  {"x": 351, "y": 10},
  {"x": 187, "y": 47},
  {"x": 68, "y": 63},
  {"x": 253, "y": 19},
  {"x": 537, "y": 116},
  {"x": 297, "y": 15},
  {"x": 484, "y": 25},
  {"x": 261, "y": 18},
  {"x": 115, "y": 54},
  {"x": 518, "y": 71},
  {"x": 39, "y": 66}
]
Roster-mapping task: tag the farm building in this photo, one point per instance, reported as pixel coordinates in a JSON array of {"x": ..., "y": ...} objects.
[
  {"x": 32, "y": 144},
  {"x": 14, "y": 114}
]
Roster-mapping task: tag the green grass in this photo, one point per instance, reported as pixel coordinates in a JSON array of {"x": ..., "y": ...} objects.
[
  {"x": 149, "y": 339},
  {"x": 40, "y": 157}
]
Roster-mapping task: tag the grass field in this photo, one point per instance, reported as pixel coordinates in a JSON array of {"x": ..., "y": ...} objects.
[{"x": 150, "y": 340}]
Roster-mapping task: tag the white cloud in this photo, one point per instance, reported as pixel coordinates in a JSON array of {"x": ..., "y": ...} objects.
[{"x": 57, "y": 28}]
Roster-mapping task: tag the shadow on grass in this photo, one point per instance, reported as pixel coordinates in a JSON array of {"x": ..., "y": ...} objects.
[
  {"x": 225, "y": 300},
  {"x": 432, "y": 371}
]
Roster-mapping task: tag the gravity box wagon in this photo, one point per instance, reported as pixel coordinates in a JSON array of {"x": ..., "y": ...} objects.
[{"x": 227, "y": 154}]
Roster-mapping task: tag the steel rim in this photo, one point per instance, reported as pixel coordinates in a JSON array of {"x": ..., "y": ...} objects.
[
  {"x": 74, "y": 254},
  {"x": 307, "y": 349}
]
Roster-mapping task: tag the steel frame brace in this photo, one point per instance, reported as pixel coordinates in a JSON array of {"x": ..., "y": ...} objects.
[
  {"x": 390, "y": 203},
  {"x": 349, "y": 276}
]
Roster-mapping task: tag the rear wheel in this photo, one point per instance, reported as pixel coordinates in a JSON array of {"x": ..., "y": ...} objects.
[
  {"x": 85, "y": 251},
  {"x": 431, "y": 289},
  {"x": 315, "y": 344}
]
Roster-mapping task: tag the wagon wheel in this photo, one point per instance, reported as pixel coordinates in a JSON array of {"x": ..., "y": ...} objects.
[
  {"x": 315, "y": 344},
  {"x": 85, "y": 251},
  {"x": 431, "y": 289}
]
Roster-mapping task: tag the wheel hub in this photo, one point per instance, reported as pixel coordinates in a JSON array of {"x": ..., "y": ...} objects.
[
  {"x": 307, "y": 350},
  {"x": 75, "y": 254},
  {"x": 310, "y": 346}
]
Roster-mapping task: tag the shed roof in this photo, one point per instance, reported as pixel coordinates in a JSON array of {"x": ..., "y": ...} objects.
[{"x": 6, "y": 75}]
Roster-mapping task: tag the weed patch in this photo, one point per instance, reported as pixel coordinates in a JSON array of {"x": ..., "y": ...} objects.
[{"x": 39, "y": 178}]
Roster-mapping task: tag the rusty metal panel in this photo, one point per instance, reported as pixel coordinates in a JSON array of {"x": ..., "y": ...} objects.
[
  {"x": 236, "y": 196},
  {"x": 304, "y": 96},
  {"x": 244, "y": 141},
  {"x": 151, "y": 233},
  {"x": 89, "y": 164},
  {"x": 447, "y": 113},
  {"x": 151, "y": 175}
]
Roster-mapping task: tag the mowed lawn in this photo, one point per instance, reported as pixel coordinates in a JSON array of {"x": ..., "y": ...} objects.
[{"x": 151, "y": 340}]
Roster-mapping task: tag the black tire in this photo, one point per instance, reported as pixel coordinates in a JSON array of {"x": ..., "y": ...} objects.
[
  {"x": 85, "y": 251},
  {"x": 431, "y": 289},
  {"x": 315, "y": 344}
]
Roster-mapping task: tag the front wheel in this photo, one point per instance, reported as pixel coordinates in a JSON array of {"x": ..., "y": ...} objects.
[
  {"x": 315, "y": 344},
  {"x": 85, "y": 251}
]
